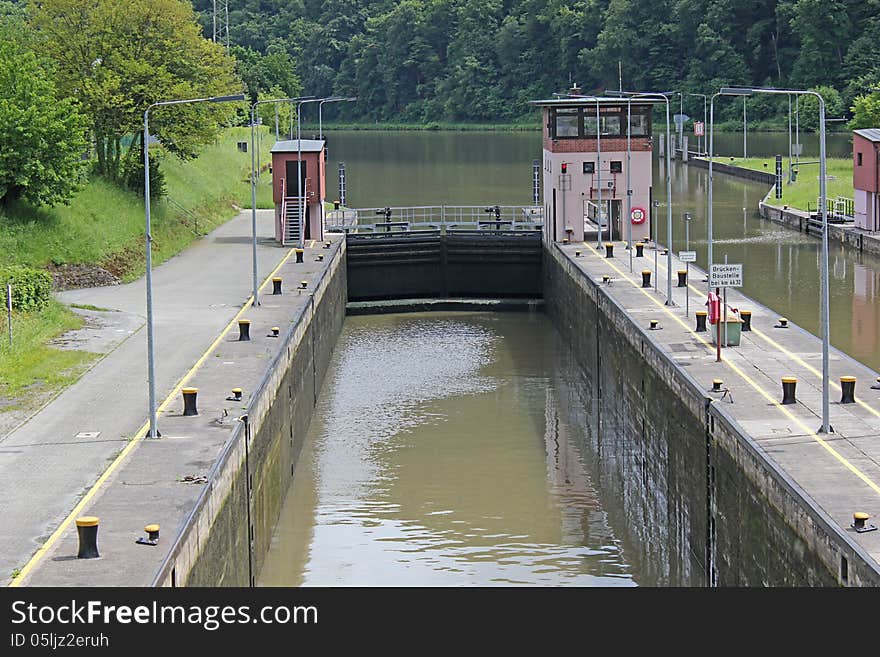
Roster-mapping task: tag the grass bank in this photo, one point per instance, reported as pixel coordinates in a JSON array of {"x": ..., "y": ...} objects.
[
  {"x": 104, "y": 225},
  {"x": 803, "y": 193}
]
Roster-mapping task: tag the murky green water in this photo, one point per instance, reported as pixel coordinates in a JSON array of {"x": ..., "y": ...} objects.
[
  {"x": 781, "y": 265},
  {"x": 438, "y": 456}
]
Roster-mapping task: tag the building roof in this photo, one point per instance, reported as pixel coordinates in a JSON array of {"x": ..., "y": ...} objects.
[
  {"x": 871, "y": 134},
  {"x": 579, "y": 101},
  {"x": 293, "y": 146}
]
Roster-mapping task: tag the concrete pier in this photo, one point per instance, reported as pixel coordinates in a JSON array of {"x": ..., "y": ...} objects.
[{"x": 814, "y": 483}]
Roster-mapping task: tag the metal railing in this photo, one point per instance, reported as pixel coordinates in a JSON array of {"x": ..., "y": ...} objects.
[
  {"x": 427, "y": 217},
  {"x": 840, "y": 209}
]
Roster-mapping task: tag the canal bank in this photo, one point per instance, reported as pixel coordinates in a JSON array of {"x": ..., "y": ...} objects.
[
  {"x": 805, "y": 222},
  {"x": 213, "y": 481},
  {"x": 742, "y": 488}
]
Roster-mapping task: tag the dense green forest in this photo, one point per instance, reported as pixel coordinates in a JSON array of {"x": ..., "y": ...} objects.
[{"x": 483, "y": 60}]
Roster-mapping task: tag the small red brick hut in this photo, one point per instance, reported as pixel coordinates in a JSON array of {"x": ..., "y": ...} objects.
[
  {"x": 866, "y": 178},
  {"x": 299, "y": 205}
]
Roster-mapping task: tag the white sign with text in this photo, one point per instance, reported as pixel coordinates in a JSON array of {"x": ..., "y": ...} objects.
[{"x": 727, "y": 275}]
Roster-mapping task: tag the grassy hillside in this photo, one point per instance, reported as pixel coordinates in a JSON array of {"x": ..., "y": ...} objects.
[{"x": 104, "y": 225}]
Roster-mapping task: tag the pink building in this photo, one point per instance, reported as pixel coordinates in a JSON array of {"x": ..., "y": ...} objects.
[
  {"x": 298, "y": 218},
  {"x": 866, "y": 178},
  {"x": 578, "y": 180}
]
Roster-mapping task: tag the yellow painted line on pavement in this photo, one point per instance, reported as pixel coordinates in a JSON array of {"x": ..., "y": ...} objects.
[
  {"x": 138, "y": 437},
  {"x": 800, "y": 361},
  {"x": 842, "y": 459}
]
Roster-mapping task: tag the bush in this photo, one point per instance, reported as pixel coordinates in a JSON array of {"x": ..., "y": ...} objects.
[{"x": 31, "y": 288}]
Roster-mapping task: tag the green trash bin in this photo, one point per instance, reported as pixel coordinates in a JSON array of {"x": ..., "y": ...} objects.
[{"x": 734, "y": 330}]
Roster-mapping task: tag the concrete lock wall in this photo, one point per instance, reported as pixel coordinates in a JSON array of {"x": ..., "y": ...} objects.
[
  {"x": 226, "y": 538},
  {"x": 703, "y": 506}
]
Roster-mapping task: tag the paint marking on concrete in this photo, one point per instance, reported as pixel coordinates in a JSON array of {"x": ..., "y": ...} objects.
[
  {"x": 800, "y": 361},
  {"x": 138, "y": 437},
  {"x": 807, "y": 431}
]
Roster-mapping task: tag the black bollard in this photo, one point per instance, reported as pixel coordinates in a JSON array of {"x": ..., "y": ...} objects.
[
  {"x": 87, "y": 529},
  {"x": 646, "y": 278},
  {"x": 788, "y": 388},
  {"x": 640, "y": 249},
  {"x": 152, "y": 532},
  {"x": 847, "y": 390},
  {"x": 682, "y": 277},
  {"x": 299, "y": 255},
  {"x": 189, "y": 401},
  {"x": 701, "y": 321},
  {"x": 276, "y": 284},
  {"x": 609, "y": 250},
  {"x": 746, "y": 317},
  {"x": 244, "y": 330},
  {"x": 716, "y": 385}
]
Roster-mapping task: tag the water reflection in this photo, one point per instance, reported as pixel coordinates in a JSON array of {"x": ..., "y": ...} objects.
[{"x": 438, "y": 456}]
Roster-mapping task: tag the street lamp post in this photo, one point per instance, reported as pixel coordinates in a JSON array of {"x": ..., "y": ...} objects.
[
  {"x": 745, "y": 149},
  {"x": 331, "y": 99},
  {"x": 665, "y": 96},
  {"x": 824, "y": 291},
  {"x": 275, "y": 101},
  {"x": 151, "y": 365}
]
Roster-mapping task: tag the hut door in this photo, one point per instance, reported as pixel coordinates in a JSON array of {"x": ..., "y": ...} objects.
[{"x": 292, "y": 189}]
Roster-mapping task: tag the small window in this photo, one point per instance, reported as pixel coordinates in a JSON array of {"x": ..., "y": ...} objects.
[
  {"x": 589, "y": 167},
  {"x": 566, "y": 123},
  {"x": 858, "y": 159},
  {"x": 616, "y": 166}
]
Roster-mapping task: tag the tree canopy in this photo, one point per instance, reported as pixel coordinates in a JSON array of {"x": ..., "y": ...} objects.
[
  {"x": 43, "y": 135},
  {"x": 482, "y": 60},
  {"x": 116, "y": 57}
]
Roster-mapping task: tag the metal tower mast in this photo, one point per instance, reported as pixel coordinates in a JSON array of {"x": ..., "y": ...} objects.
[{"x": 221, "y": 22}]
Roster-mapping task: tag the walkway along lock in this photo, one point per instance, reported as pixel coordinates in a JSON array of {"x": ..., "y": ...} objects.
[
  {"x": 87, "y": 529},
  {"x": 646, "y": 278},
  {"x": 640, "y": 249},
  {"x": 788, "y": 389},
  {"x": 682, "y": 277},
  {"x": 701, "y": 321},
  {"x": 746, "y": 317},
  {"x": 847, "y": 390},
  {"x": 244, "y": 330},
  {"x": 609, "y": 250},
  {"x": 276, "y": 284},
  {"x": 189, "y": 401}
]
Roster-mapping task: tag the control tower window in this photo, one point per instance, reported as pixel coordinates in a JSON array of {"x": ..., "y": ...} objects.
[{"x": 566, "y": 123}]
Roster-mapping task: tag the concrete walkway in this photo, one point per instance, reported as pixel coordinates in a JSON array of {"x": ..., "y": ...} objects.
[
  {"x": 48, "y": 463},
  {"x": 839, "y": 472}
]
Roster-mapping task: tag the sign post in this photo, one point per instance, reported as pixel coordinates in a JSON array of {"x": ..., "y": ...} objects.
[
  {"x": 724, "y": 276},
  {"x": 687, "y": 257},
  {"x": 9, "y": 310}
]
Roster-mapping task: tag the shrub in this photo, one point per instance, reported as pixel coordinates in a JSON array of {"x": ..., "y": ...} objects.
[{"x": 31, "y": 288}]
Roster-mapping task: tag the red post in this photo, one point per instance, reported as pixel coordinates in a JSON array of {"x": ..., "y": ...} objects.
[{"x": 718, "y": 336}]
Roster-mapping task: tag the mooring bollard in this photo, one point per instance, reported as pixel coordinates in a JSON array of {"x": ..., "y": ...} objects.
[
  {"x": 189, "y": 401},
  {"x": 577, "y": 254},
  {"x": 274, "y": 334},
  {"x": 319, "y": 257},
  {"x": 303, "y": 285},
  {"x": 244, "y": 330},
  {"x": 783, "y": 323},
  {"x": 701, "y": 321},
  {"x": 788, "y": 389},
  {"x": 327, "y": 244},
  {"x": 665, "y": 252},
  {"x": 565, "y": 240},
  {"x": 152, "y": 532},
  {"x": 276, "y": 284},
  {"x": 655, "y": 325},
  {"x": 640, "y": 249},
  {"x": 87, "y": 530},
  {"x": 609, "y": 250},
  {"x": 682, "y": 277},
  {"x": 236, "y": 395},
  {"x": 299, "y": 255},
  {"x": 859, "y": 520},
  {"x": 847, "y": 390},
  {"x": 746, "y": 317},
  {"x": 716, "y": 385},
  {"x": 646, "y": 278}
]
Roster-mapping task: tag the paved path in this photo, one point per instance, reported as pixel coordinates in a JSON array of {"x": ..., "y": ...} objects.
[
  {"x": 48, "y": 463},
  {"x": 839, "y": 471}
]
